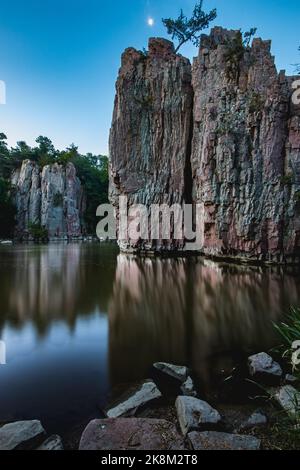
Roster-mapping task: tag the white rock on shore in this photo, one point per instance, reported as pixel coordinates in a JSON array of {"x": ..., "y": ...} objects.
[
  {"x": 21, "y": 434},
  {"x": 263, "y": 366},
  {"x": 288, "y": 398},
  {"x": 143, "y": 395},
  {"x": 194, "y": 414},
  {"x": 188, "y": 388},
  {"x": 176, "y": 372}
]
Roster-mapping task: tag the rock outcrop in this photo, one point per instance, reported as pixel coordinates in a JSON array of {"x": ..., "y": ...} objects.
[
  {"x": 224, "y": 135},
  {"x": 51, "y": 197},
  {"x": 151, "y": 130}
]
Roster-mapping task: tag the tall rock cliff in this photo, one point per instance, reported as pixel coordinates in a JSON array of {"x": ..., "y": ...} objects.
[
  {"x": 52, "y": 197},
  {"x": 246, "y": 151},
  {"x": 152, "y": 124},
  {"x": 225, "y": 136}
]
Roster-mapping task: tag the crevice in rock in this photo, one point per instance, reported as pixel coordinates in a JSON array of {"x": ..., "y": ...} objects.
[{"x": 188, "y": 175}]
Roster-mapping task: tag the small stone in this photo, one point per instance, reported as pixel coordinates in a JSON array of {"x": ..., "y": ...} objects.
[
  {"x": 289, "y": 399},
  {"x": 142, "y": 396},
  {"x": 290, "y": 379},
  {"x": 263, "y": 366},
  {"x": 195, "y": 414},
  {"x": 177, "y": 372},
  {"x": 53, "y": 443},
  {"x": 6, "y": 242},
  {"x": 222, "y": 441},
  {"x": 21, "y": 434},
  {"x": 131, "y": 434},
  {"x": 188, "y": 388},
  {"x": 257, "y": 419}
]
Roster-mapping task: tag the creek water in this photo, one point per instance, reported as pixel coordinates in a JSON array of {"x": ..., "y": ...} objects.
[{"x": 80, "y": 320}]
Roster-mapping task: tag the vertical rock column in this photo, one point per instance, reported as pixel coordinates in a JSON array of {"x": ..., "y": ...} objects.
[
  {"x": 151, "y": 130},
  {"x": 245, "y": 152}
]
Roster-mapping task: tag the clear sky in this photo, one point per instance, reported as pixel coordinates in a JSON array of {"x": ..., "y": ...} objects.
[{"x": 60, "y": 58}]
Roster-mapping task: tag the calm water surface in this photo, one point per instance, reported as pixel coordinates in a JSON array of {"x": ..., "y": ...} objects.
[{"x": 79, "y": 320}]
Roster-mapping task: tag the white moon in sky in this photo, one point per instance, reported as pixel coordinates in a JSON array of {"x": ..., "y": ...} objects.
[{"x": 150, "y": 21}]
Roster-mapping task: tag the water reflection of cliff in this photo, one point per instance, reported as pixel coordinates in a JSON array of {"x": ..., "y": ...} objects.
[
  {"x": 187, "y": 310},
  {"x": 42, "y": 284}
]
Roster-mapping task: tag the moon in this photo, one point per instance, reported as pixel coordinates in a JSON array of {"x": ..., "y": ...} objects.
[{"x": 150, "y": 22}]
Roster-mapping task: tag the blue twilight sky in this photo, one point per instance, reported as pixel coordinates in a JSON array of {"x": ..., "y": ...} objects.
[{"x": 60, "y": 58}]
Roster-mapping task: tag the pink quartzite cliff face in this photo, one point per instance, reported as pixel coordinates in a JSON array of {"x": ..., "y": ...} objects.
[{"x": 225, "y": 136}]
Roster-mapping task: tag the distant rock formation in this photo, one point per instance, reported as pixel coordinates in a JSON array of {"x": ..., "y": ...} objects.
[
  {"x": 51, "y": 197},
  {"x": 223, "y": 134}
]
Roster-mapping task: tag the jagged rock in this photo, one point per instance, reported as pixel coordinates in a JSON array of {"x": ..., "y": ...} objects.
[
  {"x": 195, "y": 414},
  {"x": 21, "y": 434},
  {"x": 222, "y": 441},
  {"x": 52, "y": 197},
  {"x": 188, "y": 388},
  {"x": 177, "y": 372},
  {"x": 288, "y": 398},
  {"x": 53, "y": 443},
  {"x": 262, "y": 366},
  {"x": 142, "y": 396},
  {"x": 234, "y": 151},
  {"x": 257, "y": 419},
  {"x": 131, "y": 434}
]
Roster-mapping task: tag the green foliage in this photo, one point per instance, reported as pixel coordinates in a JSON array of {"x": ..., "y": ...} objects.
[
  {"x": 58, "y": 200},
  {"x": 255, "y": 102},
  {"x": 7, "y": 210},
  {"x": 289, "y": 331},
  {"x": 93, "y": 173},
  {"x": 91, "y": 169},
  {"x": 297, "y": 70},
  {"x": 185, "y": 29},
  {"x": 236, "y": 48},
  {"x": 38, "y": 232},
  {"x": 287, "y": 180}
]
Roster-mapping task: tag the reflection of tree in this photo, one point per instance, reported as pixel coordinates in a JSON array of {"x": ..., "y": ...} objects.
[
  {"x": 55, "y": 282},
  {"x": 186, "y": 311}
]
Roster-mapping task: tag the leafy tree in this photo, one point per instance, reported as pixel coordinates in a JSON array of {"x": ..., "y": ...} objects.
[
  {"x": 236, "y": 48},
  {"x": 298, "y": 65},
  {"x": 38, "y": 232},
  {"x": 7, "y": 210},
  {"x": 91, "y": 169},
  {"x": 185, "y": 29}
]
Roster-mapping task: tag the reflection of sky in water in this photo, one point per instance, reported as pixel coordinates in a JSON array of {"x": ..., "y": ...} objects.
[{"x": 78, "y": 319}]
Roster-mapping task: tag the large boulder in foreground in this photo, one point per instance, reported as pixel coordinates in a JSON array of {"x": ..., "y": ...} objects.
[
  {"x": 21, "y": 435},
  {"x": 222, "y": 441},
  {"x": 142, "y": 396},
  {"x": 131, "y": 434},
  {"x": 195, "y": 414}
]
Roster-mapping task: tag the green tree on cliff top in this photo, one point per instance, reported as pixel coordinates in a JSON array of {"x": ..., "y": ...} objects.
[{"x": 185, "y": 29}]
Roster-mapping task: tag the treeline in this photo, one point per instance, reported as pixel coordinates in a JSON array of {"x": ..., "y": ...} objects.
[{"x": 91, "y": 169}]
